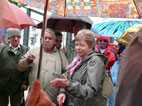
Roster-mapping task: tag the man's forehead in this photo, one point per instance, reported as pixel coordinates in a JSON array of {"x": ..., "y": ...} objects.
[{"x": 48, "y": 34}]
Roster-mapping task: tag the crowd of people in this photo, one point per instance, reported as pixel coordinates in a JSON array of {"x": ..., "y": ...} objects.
[{"x": 71, "y": 76}]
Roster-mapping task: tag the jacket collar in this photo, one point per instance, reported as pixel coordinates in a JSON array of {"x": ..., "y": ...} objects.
[{"x": 20, "y": 49}]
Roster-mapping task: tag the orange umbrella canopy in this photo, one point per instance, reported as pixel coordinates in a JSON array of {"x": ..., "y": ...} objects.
[
  {"x": 13, "y": 17},
  {"x": 94, "y": 8}
]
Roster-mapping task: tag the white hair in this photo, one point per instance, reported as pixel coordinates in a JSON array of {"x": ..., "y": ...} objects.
[{"x": 52, "y": 32}]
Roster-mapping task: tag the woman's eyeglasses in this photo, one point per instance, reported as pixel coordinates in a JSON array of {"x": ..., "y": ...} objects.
[{"x": 102, "y": 40}]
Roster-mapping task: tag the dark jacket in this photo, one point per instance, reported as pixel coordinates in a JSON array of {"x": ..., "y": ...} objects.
[
  {"x": 11, "y": 79},
  {"x": 84, "y": 85}
]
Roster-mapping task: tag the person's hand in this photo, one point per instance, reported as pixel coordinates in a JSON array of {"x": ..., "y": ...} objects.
[
  {"x": 30, "y": 58},
  {"x": 37, "y": 97},
  {"x": 61, "y": 98},
  {"x": 24, "y": 87},
  {"x": 60, "y": 83}
]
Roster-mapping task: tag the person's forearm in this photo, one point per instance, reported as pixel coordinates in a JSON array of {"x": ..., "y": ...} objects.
[{"x": 23, "y": 65}]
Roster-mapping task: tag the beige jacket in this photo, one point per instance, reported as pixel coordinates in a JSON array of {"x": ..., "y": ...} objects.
[{"x": 50, "y": 69}]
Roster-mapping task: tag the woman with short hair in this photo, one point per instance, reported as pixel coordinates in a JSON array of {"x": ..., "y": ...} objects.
[{"x": 82, "y": 81}]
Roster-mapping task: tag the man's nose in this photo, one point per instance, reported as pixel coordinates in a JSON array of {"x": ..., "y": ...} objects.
[
  {"x": 16, "y": 37},
  {"x": 46, "y": 39}
]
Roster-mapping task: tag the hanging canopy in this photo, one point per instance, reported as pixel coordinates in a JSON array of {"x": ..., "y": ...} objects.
[{"x": 94, "y": 8}]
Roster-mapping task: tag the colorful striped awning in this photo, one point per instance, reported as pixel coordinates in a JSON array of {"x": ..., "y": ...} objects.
[{"x": 94, "y": 8}]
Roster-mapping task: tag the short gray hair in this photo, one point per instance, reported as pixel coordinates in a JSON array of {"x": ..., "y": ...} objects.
[{"x": 52, "y": 32}]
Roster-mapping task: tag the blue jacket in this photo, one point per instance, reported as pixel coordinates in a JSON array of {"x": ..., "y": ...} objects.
[{"x": 114, "y": 71}]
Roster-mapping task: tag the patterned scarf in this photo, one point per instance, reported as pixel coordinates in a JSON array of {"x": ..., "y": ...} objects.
[{"x": 76, "y": 61}]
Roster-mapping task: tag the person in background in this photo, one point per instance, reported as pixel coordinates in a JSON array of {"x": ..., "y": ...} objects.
[
  {"x": 115, "y": 53},
  {"x": 58, "y": 46},
  {"x": 51, "y": 66},
  {"x": 103, "y": 48},
  {"x": 70, "y": 51},
  {"x": 114, "y": 71},
  {"x": 114, "y": 48},
  {"x": 12, "y": 82},
  {"x": 58, "y": 40},
  {"x": 85, "y": 74},
  {"x": 3, "y": 40}
]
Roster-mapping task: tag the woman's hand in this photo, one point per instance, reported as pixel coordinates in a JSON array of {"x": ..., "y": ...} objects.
[
  {"x": 60, "y": 83},
  {"x": 37, "y": 97},
  {"x": 61, "y": 98}
]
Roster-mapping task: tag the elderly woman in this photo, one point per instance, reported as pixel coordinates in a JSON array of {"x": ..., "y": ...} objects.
[{"x": 85, "y": 74}]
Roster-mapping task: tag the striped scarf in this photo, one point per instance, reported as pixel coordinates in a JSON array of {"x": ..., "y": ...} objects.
[{"x": 76, "y": 61}]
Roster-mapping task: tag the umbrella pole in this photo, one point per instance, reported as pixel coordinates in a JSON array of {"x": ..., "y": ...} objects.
[
  {"x": 42, "y": 39},
  {"x": 137, "y": 9},
  {"x": 65, "y": 9}
]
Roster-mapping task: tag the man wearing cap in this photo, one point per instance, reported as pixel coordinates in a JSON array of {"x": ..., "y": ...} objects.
[{"x": 12, "y": 82}]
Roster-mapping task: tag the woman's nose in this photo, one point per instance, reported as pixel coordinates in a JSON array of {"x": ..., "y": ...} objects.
[{"x": 78, "y": 47}]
